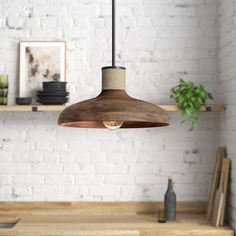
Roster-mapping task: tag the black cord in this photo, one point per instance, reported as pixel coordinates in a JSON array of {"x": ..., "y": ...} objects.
[{"x": 113, "y": 33}]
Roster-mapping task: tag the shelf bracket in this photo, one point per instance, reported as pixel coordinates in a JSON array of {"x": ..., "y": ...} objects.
[
  {"x": 34, "y": 109},
  {"x": 208, "y": 109}
]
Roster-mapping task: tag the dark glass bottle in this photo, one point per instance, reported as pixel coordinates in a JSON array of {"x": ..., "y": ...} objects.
[{"x": 170, "y": 201}]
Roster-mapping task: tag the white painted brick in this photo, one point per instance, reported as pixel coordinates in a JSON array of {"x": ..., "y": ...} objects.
[
  {"x": 71, "y": 169},
  {"x": 104, "y": 190},
  {"x": 153, "y": 11},
  {"x": 184, "y": 21},
  {"x": 5, "y": 193},
  {"x": 21, "y": 194},
  {"x": 48, "y": 34},
  {"x": 21, "y": 146},
  {"x": 43, "y": 146},
  {"x": 181, "y": 11},
  {"x": 51, "y": 157},
  {"x": 65, "y": 22},
  {"x": 160, "y": 21},
  {"x": 76, "y": 146},
  {"x": 189, "y": 2},
  {"x": 184, "y": 179},
  {"x": 47, "y": 168},
  {"x": 15, "y": 22},
  {"x": 32, "y": 23},
  {"x": 88, "y": 180},
  {"x": 28, "y": 157},
  {"x": 59, "y": 179},
  {"x": 5, "y": 180},
  {"x": 192, "y": 159},
  {"x": 76, "y": 193},
  {"x": 14, "y": 168},
  {"x": 147, "y": 179},
  {"x": 143, "y": 192},
  {"x": 47, "y": 10},
  {"x": 115, "y": 157},
  {"x": 187, "y": 32},
  {"x": 93, "y": 158},
  {"x": 157, "y": 2},
  {"x": 49, "y": 22},
  {"x": 144, "y": 168},
  {"x": 95, "y": 22},
  {"x": 27, "y": 180},
  {"x": 5, "y": 156},
  {"x": 111, "y": 169},
  {"x": 48, "y": 193},
  {"x": 88, "y": 169},
  {"x": 119, "y": 180}
]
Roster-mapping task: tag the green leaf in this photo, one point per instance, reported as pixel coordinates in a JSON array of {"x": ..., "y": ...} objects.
[
  {"x": 189, "y": 98},
  {"x": 210, "y": 96}
]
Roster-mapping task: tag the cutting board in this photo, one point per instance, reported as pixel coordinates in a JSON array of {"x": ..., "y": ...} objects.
[
  {"x": 225, "y": 172},
  {"x": 218, "y": 203},
  {"x": 215, "y": 181}
]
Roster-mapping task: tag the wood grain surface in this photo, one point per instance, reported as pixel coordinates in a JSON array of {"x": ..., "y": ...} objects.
[
  {"x": 215, "y": 181},
  {"x": 218, "y": 203},
  {"x": 224, "y": 172},
  {"x": 57, "y": 108},
  {"x": 88, "y": 208},
  {"x": 114, "y": 225},
  {"x": 104, "y": 219}
]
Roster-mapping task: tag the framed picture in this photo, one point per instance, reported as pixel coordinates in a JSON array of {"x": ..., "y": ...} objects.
[{"x": 40, "y": 61}]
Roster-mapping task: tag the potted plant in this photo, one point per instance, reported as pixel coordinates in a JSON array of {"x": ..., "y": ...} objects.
[{"x": 190, "y": 98}]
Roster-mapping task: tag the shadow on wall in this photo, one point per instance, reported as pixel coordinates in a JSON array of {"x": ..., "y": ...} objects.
[{"x": 227, "y": 138}]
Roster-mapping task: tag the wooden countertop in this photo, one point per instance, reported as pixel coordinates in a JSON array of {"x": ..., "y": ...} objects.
[{"x": 111, "y": 225}]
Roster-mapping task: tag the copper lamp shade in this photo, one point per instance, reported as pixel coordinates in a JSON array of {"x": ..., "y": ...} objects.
[
  {"x": 113, "y": 108},
  {"x": 113, "y": 105}
]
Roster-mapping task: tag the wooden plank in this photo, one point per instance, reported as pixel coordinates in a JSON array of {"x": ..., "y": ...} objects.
[
  {"x": 215, "y": 181},
  {"x": 15, "y": 108},
  {"x": 84, "y": 208},
  {"x": 113, "y": 222},
  {"x": 30, "y": 108},
  {"x": 225, "y": 173},
  {"x": 114, "y": 225},
  {"x": 209, "y": 108},
  {"x": 193, "y": 232},
  {"x": 51, "y": 108},
  {"x": 218, "y": 203},
  {"x": 71, "y": 233}
]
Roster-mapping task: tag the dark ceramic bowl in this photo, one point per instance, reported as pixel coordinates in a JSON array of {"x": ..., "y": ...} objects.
[
  {"x": 24, "y": 101},
  {"x": 54, "y": 85}
]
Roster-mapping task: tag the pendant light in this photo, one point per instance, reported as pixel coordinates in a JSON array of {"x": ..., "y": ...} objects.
[{"x": 113, "y": 108}]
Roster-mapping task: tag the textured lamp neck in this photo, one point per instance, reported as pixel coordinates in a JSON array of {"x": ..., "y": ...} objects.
[{"x": 113, "y": 79}]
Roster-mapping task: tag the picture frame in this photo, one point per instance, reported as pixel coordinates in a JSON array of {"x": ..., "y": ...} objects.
[{"x": 40, "y": 61}]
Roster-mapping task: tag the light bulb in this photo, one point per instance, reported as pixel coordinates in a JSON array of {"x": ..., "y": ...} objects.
[{"x": 113, "y": 124}]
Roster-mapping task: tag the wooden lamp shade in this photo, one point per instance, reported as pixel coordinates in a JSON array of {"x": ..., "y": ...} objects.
[
  {"x": 113, "y": 104},
  {"x": 113, "y": 108}
]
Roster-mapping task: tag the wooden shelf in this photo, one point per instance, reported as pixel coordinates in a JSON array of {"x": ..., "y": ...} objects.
[
  {"x": 210, "y": 108},
  {"x": 56, "y": 108},
  {"x": 32, "y": 108}
]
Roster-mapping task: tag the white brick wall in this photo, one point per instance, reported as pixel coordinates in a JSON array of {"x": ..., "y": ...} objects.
[
  {"x": 159, "y": 41},
  {"x": 227, "y": 92}
]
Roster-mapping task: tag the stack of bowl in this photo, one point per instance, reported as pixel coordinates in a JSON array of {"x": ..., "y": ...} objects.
[
  {"x": 53, "y": 93},
  {"x": 3, "y": 89}
]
